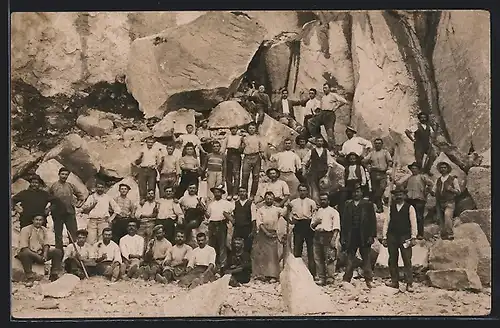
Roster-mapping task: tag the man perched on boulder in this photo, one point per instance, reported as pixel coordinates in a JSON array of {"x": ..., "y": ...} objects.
[
  {"x": 422, "y": 136},
  {"x": 80, "y": 252}
]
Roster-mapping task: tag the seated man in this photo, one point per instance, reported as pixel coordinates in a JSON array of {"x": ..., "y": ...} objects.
[
  {"x": 34, "y": 248},
  {"x": 155, "y": 253},
  {"x": 108, "y": 256},
  {"x": 84, "y": 252},
  {"x": 176, "y": 260},
  {"x": 132, "y": 249},
  {"x": 239, "y": 264},
  {"x": 201, "y": 265}
]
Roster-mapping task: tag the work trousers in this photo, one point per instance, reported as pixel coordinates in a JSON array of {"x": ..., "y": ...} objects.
[
  {"x": 379, "y": 183},
  {"x": 146, "y": 180},
  {"x": 326, "y": 118},
  {"x": 28, "y": 257},
  {"x": 95, "y": 227},
  {"x": 302, "y": 233},
  {"x": 217, "y": 238},
  {"x": 444, "y": 214},
  {"x": 214, "y": 179},
  {"x": 419, "y": 206},
  {"x": 394, "y": 245},
  {"x": 322, "y": 253},
  {"x": 420, "y": 151},
  {"x": 109, "y": 269},
  {"x": 187, "y": 178},
  {"x": 251, "y": 165},
  {"x": 233, "y": 167},
  {"x": 365, "y": 252},
  {"x": 68, "y": 219}
]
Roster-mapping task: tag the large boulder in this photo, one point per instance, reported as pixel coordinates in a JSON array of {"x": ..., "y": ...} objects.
[
  {"x": 479, "y": 186},
  {"x": 274, "y": 133},
  {"x": 454, "y": 279},
  {"x": 392, "y": 78},
  {"x": 49, "y": 172},
  {"x": 228, "y": 114},
  {"x": 196, "y": 65},
  {"x": 461, "y": 60},
  {"x": 460, "y": 253},
  {"x": 94, "y": 125},
  {"x": 18, "y": 186},
  {"x": 276, "y": 22},
  {"x": 115, "y": 157},
  {"x": 22, "y": 161},
  {"x": 481, "y": 217},
  {"x": 177, "y": 120},
  {"x": 473, "y": 232},
  {"x": 74, "y": 154},
  {"x": 455, "y": 170}
]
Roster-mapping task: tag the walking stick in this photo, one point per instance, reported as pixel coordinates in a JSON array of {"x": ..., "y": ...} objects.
[{"x": 78, "y": 253}]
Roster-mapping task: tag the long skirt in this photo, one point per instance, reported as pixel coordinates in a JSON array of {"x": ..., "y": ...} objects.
[{"x": 265, "y": 258}]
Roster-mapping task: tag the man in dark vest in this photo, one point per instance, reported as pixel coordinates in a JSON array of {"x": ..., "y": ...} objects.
[
  {"x": 358, "y": 229},
  {"x": 244, "y": 219},
  {"x": 422, "y": 135},
  {"x": 399, "y": 234},
  {"x": 445, "y": 190}
]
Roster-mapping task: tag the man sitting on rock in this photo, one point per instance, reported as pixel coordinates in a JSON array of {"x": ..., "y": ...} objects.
[
  {"x": 108, "y": 257},
  {"x": 176, "y": 260},
  {"x": 156, "y": 251},
  {"x": 83, "y": 253},
  {"x": 239, "y": 265},
  {"x": 132, "y": 249},
  {"x": 201, "y": 266},
  {"x": 34, "y": 248}
]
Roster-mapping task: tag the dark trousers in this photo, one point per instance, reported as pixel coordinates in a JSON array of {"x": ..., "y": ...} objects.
[
  {"x": 251, "y": 165},
  {"x": 379, "y": 183},
  {"x": 73, "y": 266},
  {"x": 322, "y": 249},
  {"x": 233, "y": 166},
  {"x": 28, "y": 257},
  {"x": 420, "y": 151},
  {"x": 146, "y": 180},
  {"x": 119, "y": 228},
  {"x": 244, "y": 232},
  {"x": 364, "y": 250},
  {"x": 419, "y": 206},
  {"x": 168, "y": 228},
  {"x": 68, "y": 219},
  {"x": 327, "y": 119},
  {"x": 217, "y": 238},
  {"x": 394, "y": 245},
  {"x": 166, "y": 180},
  {"x": 302, "y": 232},
  {"x": 187, "y": 178},
  {"x": 306, "y": 124}
]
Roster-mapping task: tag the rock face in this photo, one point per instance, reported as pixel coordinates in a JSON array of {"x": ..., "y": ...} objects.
[
  {"x": 227, "y": 114},
  {"x": 115, "y": 157},
  {"x": 19, "y": 186},
  {"x": 21, "y": 161},
  {"x": 133, "y": 194},
  {"x": 460, "y": 253},
  {"x": 454, "y": 279},
  {"x": 94, "y": 125},
  {"x": 479, "y": 186},
  {"x": 481, "y": 217},
  {"x": 275, "y": 132},
  {"x": 197, "y": 64},
  {"x": 177, "y": 119},
  {"x": 392, "y": 78},
  {"x": 48, "y": 171},
  {"x": 461, "y": 61}
]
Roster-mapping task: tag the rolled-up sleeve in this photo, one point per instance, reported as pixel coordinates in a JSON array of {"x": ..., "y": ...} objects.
[
  {"x": 413, "y": 222},
  {"x": 117, "y": 256},
  {"x": 335, "y": 220},
  {"x": 456, "y": 185}
]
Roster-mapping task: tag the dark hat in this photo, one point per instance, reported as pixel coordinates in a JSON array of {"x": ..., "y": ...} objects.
[
  {"x": 352, "y": 154},
  {"x": 203, "y": 120},
  {"x": 82, "y": 232},
  {"x": 398, "y": 189},
  {"x": 158, "y": 226},
  {"x": 356, "y": 186},
  {"x": 444, "y": 163},
  {"x": 351, "y": 128},
  {"x": 273, "y": 169},
  {"x": 219, "y": 187},
  {"x": 414, "y": 164},
  {"x": 35, "y": 177},
  {"x": 423, "y": 114},
  {"x": 124, "y": 185}
]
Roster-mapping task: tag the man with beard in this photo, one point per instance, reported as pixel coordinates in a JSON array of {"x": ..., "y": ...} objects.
[
  {"x": 176, "y": 260},
  {"x": 132, "y": 249},
  {"x": 126, "y": 213},
  {"x": 288, "y": 163},
  {"x": 83, "y": 252},
  {"x": 34, "y": 201},
  {"x": 147, "y": 214},
  {"x": 239, "y": 265},
  {"x": 62, "y": 209},
  {"x": 108, "y": 257},
  {"x": 244, "y": 219},
  {"x": 201, "y": 265},
  {"x": 378, "y": 161},
  {"x": 156, "y": 251},
  {"x": 358, "y": 231}
]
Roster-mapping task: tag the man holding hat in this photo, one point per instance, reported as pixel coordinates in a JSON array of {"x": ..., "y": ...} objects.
[
  {"x": 218, "y": 213},
  {"x": 422, "y": 136},
  {"x": 355, "y": 144},
  {"x": 127, "y": 212},
  {"x": 34, "y": 201},
  {"x": 277, "y": 186},
  {"x": 445, "y": 190},
  {"x": 399, "y": 233}
]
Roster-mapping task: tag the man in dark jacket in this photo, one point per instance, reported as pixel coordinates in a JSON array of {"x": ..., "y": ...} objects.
[
  {"x": 358, "y": 231},
  {"x": 283, "y": 110},
  {"x": 422, "y": 136}
]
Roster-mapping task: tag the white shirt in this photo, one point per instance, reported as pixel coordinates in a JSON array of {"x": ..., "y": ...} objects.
[
  {"x": 232, "y": 141},
  {"x": 329, "y": 218},
  {"x": 188, "y": 201},
  {"x": 193, "y": 138},
  {"x": 355, "y": 145},
  {"x": 329, "y": 158},
  {"x": 151, "y": 156},
  {"x": 202, "y": 256},
  {"x": 413, "y": 221},
  {"x": 303, "y": 209},
  {"x": 146, "y": 210},
  {"x": 331, "y": 101},
  {"x": 86, "y": 251},
  {"x": 112, "y": 251},
  {"x": 414, "y": 127},
  {"x": 101, "y": 205},
  {"x": 284, "y": 105},
  {"x": 312, "y": 104},
  {"x": 168, "y": 209},
  {"x": 287, "y": 161},
  {"x": 131, "y": 245},
  {"x": 216, "y": 209},
  {"x": 279, "y": 188}
]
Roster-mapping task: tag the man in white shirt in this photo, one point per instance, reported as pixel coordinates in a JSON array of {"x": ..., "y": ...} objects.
[
  {"x": 302, "y": 210},
  {"x": 288, "y": 163},
  {"x": 84, "y": 252},
  {"x": 98, "y": 206},
  {"x": 355, "y": 144},
  {"x": 399, "y": 234},
  {"x": 191, "y": 137},
  {"x": 330, "y": 102},
  {"x": 312, "y": 107},
  {"x": 108, "y": 256},
  {"x": 326, "y": 226},
  {"x": 148, "y": 162},
  {"x": 147, "y": 213},
  {"x": 176, "y": 260},
  {"x": 132, "y": 249},
  {"x": 201, "y": 265},
  {"x": 278, "y": 187},
  {"x": 218, "y": 213}
]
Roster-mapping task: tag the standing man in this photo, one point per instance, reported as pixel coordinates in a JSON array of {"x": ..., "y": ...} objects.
[
  {"x": 301, "y": 151},
  {"x": 170, "y": 214},
  {"x": 214, "y": 168},
  {"x": 84, "y": 252},
  {"x": 194, "y": 209},
  {"x": 108, "y": 257},
  {"x": 445, "y": 190},
  {"x": 191, "y": 137},
  {"x": 355, "y": 144},
  {"x": 206, "y": 138},
  {"x": 132, "y": 249},
  {"x": 253, "y": 150},
  {"x": 358, "y": 231},
  {"x": 147, "y": 214},
  {"x": 330, "y": 102},
  {"x": 170, "y": 171},
  {"x": 378, "y": 161},
  {"x": 148, "y": 162},
  {"x": 126, "y": 213},
  {"x": 312, "y": 107},
  {"x": 63, "y": 211},
  {"x": 302, "y": 210},
  {"x": 244, "y": 219},
  {"x": 422, "y": 136},
  {"x": 283, "y": 110},
  {"x": 261, "y": 100},
  {"x": 34, "y": 248},
  {"x": 233, "y": 146},
  {"x": 278, "y": 187},
  {"x": 400, "y": 231},
  {"x": 34, "y": 201},
  {"x": 288, "y": 163},
  {"x": 326, "y": 226}
]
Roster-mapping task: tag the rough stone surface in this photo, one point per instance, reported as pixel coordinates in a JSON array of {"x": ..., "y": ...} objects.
[
  {"x": 21, "y": 161},
  {"x": 177, "y": 119},
  {"x": 94, "y": 126},
  {"x": 115, "y": 157},
  {"x": 228, "y": 114},
  {"x": 62, "y": 287},
  {"x": 459, "y": 253},
  {"x": 474, "y": 232},
  {"x": 455, "y": 170},
  {"x": 486, "y": 162},
  {"x": 454, "y": 279},
  {"x": 276, "y": 22},
  {"x": 275, "y": 133},
  {"x": 431, "y": 231},
  {"x": 479, "y": 186},
  {"x": 133, "y": 194},
  {"x": 19, "y": 186},
  {"x": 183, "y": 65},
  {"x": 461, "y": 60},
  {"x": 135, "y": 135},
  {"x": 481, "y": 217},
  {"x": 48, "y": 171}
]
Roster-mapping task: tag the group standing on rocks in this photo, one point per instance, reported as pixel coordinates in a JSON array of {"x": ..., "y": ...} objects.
[{"x": 187, "y": 238}]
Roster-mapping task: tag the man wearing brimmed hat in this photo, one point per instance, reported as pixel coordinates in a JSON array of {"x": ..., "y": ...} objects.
[
  {"x": 156, "y": 251},
  {"x": 288, "y": 163},
  {"x": 445, "y": 190},
  {"x": 34, "y": 201},
  {"x": 277, "y": 186},
  {"x": 399, "y": 234},
  {"x": 253, "y": 154},
  {"x": 218, "y": 214},
  {"x": 422, "y": 136},
  {"x": 354, "y": 144},
  {"x": 417, "y": 186}
]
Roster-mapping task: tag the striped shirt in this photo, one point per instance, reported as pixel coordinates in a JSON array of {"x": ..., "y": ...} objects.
[{"x": 215, "y": 162}]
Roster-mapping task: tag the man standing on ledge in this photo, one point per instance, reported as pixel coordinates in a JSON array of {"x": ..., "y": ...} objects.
[
  {"x": 355, "y": 144},
  {"x": 378, "y": 162},
  {"x": 422, "y": 136}
]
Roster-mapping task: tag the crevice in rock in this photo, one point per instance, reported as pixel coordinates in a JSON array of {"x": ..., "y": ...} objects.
[
  {"x": 305, "y": 17},
  {"x": 257, "y": 70},
  {"x": 199, "y": 100},
  {"x": 83, "y": 28},
  {"x": 347, "y": 30}
]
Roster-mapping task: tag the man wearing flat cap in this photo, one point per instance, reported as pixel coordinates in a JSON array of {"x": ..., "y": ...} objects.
[{"x": 399, "y": 234}]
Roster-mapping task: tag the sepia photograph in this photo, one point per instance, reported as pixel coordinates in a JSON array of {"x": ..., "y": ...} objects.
[{"x": 250, "y": 163}]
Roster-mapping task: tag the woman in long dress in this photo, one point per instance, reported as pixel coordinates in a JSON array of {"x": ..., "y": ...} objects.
[{"x": 265, "y": 258}]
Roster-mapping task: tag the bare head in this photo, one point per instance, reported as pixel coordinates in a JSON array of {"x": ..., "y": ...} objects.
[
  {"x": 189, "y": 128},
  {"x": 63, "y": 174}
]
